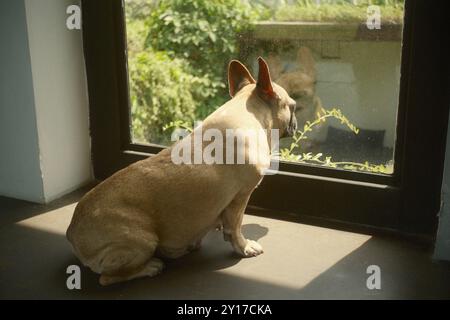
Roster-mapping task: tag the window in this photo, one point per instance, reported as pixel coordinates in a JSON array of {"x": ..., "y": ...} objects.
[
  {"x": 343, "y": 72},
  {"x": 374, "y": 161}
]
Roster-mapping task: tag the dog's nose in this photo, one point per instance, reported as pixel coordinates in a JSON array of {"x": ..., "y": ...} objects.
[
  {"x": 292, "y": 106},
  {"x": 294, "y": 125}
]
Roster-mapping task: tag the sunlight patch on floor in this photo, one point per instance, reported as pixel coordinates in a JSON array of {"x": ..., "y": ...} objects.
[
  {"x": 54, "y": 221},
  {"x": 296, "y": 253}
]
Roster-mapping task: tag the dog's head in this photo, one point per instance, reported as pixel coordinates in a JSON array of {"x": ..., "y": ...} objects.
[
  {"x": 271, "y": 98},
  {"x": 299, "y": 81}
]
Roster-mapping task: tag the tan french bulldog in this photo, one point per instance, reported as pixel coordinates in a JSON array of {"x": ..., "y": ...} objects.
[{"x": 157, "y": 207}]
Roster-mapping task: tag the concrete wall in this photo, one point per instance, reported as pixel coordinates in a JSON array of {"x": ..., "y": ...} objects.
[
  {"x": 442, "y": 250},
  {"x": 365, "y": 84},
  {"x": 20, "y": 172},
  {"x": 44, "y": 127},
  {"x": 362, "y": 79}
]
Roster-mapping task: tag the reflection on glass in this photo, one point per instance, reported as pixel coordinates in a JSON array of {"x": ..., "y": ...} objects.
[{"x": 340, "y": 60}]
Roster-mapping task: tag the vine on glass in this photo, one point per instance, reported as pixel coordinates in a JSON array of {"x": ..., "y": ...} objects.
[
  {"x": 288, "y": 154},
  {"x": 291, "y": 154}
]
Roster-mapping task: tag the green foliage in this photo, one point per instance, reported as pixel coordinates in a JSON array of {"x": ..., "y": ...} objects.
[
  {"x": 138, "y": 9},
  {"x": 178, "y": 51},
  {"x": 179, "y": 124},
  {"x": 339, "y": 11},
  {"x": 205, "y": 33},
  {"x": 161, "y": 89},
  {"x": 177, "y": 55},
  {"x": 322, "y": 116},
  {"x": 294, "y": 154},
  {"x": 135, "y": 24}
]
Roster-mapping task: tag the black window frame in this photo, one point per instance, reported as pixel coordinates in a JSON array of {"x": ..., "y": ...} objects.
[{"x": 406, "y": 202}]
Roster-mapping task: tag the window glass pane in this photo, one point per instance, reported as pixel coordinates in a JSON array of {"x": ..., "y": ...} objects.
[{"x": 340, "y": 60}]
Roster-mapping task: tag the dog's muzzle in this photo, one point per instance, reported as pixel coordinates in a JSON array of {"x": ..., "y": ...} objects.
[{"x": 292, "y": 127}]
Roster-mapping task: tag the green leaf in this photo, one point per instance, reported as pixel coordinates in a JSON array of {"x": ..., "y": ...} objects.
[{"x": 212, "y": 36}]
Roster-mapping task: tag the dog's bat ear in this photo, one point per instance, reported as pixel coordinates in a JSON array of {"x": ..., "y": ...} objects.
[
  {"x": 238, "y": 77},
  {"x": 264, "y": 84}
]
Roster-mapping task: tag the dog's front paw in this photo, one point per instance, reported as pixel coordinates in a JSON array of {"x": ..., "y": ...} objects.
[{"x": 252, "y": 249}]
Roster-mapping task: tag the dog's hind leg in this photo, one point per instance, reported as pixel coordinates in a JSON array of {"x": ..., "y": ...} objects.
[
  {"x": 126, "y": 260},
  {"x": 151, "y": 268}
]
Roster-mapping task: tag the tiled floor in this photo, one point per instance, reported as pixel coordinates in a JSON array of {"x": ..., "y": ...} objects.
[{"x": 300, "y": 262}]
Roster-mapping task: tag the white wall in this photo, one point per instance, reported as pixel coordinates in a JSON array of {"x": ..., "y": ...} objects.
[
  {"x": 52, "y": 113},
  {"x": 60, "y": 94},
  {"x": 20, "y": 172}
]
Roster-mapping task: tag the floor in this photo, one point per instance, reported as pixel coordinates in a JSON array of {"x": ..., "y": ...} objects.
[{"x": 300, "y": 262}]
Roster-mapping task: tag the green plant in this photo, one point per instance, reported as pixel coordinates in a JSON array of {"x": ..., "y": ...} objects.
[
  {"x": 339, "y": 11},
  {"x": 288, "y": 154},
  {"x": 177, "y": 51},
  {"x": 136, "y": 13},
  {"x": 179, "y": 124},
  {"x": 160, "y": 91},
  {"x": 205, "y": 33}
]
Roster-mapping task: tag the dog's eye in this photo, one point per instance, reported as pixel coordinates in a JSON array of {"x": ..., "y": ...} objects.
[{"x": 296, "y": 96}]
